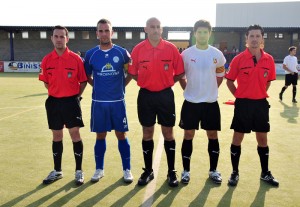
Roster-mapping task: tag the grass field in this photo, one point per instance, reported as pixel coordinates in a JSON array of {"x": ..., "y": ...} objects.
[{"x": 26, "y": 157}]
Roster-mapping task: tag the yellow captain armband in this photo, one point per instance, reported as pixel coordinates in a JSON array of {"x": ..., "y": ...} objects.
[
  {"x": 220, "y": 69},
  {"x": 126, "y": 67}
]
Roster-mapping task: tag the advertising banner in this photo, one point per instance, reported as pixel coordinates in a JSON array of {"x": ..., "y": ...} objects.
[
  {"x": 1, "y": 66},
  {"x": 21, "y": 66}
]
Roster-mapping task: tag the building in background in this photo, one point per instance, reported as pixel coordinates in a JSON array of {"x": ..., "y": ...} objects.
[{"x": 280, "y": 21}]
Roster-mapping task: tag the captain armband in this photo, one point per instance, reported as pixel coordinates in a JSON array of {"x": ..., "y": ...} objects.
[{"x": 220, "y": 69}]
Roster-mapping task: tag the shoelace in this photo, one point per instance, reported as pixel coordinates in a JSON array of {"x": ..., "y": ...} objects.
[{"x": 127, "y": 173}]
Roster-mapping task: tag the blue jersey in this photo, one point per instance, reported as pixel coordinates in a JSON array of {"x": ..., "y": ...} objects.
[{"x": 108, "y": 70}]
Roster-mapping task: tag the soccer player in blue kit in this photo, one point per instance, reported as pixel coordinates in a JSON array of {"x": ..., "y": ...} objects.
[{"x": 105, "y": 67}]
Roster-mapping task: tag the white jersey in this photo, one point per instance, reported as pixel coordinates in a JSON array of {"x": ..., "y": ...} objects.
[
  {"x": 291, "y": 63},
  {"x": 201, "y": 73}
]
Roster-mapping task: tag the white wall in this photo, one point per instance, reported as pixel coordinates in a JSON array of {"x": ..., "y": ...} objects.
[{"x": 276, "y": 14}]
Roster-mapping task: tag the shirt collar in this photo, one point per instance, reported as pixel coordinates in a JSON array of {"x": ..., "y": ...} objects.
[
  {"x": 159, "y": 46},
  {"x": 249, "y": 55},
  {"x": 65, "y": 55}
]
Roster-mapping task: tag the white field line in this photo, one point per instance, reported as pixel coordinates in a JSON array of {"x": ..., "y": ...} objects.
[
  {"x": 28, "y": 109},
  {"x": 148, "y": 197},
  {"x": 16, "y": 114}
]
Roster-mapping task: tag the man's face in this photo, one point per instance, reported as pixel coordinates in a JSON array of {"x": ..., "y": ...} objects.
[
  {"x": 254, "y": 39},
  {"x": 202, "y": 36},
  {"x": 154, "y": 30},
  {"x": 59, "y": 39},
  {"x": 104, "y": 33}
]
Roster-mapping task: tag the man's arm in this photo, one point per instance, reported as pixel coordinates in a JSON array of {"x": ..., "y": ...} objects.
[
  {"x": 46, "y": 85},
  {"x": 90, "y": 79},
  {"x": 82, "y": 87},
  {"x": 219, "y": 81},
  {"x": 287, "y": 69},
  {"x": 134, "y": 77},
  {"x": 182, "y": 82},
  {"x": 178, "y": 77},
  {"x": 128, "y": 79},
  {"x": 231, "y": 86},
  {"x": 268, "y": 85}
]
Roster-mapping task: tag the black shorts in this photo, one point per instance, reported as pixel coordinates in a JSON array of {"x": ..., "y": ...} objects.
[
  {"x": 63, "y": 111},
  {"x": 251, "y": 115},
  {"x": 161, "y": 104},
  {"x": 291, "y": 79},
  {"x": 207, "y": 114}
]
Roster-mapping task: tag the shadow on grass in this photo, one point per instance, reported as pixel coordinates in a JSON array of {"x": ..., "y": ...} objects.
[
  {"x": 226, "y": 199},
  {"x": 98, "y": 197},
  {"x": 290, "y": 112},
  {"x": 32, "y": 95},
  {"x": 169, "y": 192},
  {"x": 260, "y": 197},
  {"x": 123, "y": 200},
  {"x": 200, "y": 200},
  {"x": 42, "y": 200},
  {"x": 63, "y": 200},
  {"x": 24, "y": 196}
]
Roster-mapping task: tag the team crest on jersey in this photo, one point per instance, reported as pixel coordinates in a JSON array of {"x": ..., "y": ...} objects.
[
  {"x": 116, "y": 59},
  {"x": 69, "y": 74},
  {"x": 215, "y": 61},
  {"x": 265, "y": 74},
  {"x": 166, "y": 66}
]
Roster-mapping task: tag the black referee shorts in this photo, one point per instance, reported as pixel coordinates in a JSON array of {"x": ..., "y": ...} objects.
[
  {"x": 156, "y": 104},
  {"x": 251, "y": 115},
  {"x": 63, "y": 111},
  {"x": 291, "y": 79}
]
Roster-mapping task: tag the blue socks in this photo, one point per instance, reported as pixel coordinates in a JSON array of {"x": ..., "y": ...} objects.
[
  {"x": 124, "y": 149},
  {"x": 99, "y": 150}
]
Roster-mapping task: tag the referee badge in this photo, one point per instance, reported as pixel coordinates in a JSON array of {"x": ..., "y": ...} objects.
[
  {"x": 69, "y": 74},
  {"x": 166, "y": 66}
]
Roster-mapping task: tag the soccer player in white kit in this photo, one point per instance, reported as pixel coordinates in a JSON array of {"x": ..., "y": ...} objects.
[{"x": 204, "y": 72}]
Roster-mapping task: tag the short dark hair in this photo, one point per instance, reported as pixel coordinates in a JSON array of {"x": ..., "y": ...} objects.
[
  {"x": 292, "y": 48},
  {"x": 60, "y": 27},
  {"x": 255, "y": 27},
  {"x": 202, "y": 23},
  {"x": 103, "y": 21}
]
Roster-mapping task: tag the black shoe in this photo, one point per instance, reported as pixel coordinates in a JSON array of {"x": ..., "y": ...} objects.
[
  {"x": 185, "y": 177},
  {"x": 172, "y": 178},
  {"x": 280, "y": 96},
  {"x": 53, "y": 176},
  {"x": 215, "y": 176},
  {"x": 146, "y": 177},
  {"x": 234, "y": 179},
  {"x": 268, "y": 177},
  {"x": 294, "y": 101}
]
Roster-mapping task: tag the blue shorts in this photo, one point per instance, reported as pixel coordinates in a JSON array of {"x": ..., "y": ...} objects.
[{"x": 107, "y": 116}]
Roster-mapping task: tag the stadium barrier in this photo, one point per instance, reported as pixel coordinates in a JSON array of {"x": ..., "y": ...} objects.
[{"x": 24, "y": 66}]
